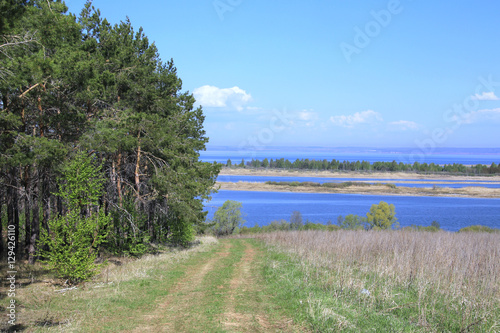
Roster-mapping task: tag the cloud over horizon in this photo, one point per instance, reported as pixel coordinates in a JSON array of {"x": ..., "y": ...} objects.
[
  {"x": 211, "y": 96},
  {"x": 485, "y": 96},
  {"x": 403, "y": 125},
  {"x": 364, "y": 117}
]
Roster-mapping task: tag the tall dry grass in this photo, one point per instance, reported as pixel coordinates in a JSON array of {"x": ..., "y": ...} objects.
[{"x": 456, "y": 270}]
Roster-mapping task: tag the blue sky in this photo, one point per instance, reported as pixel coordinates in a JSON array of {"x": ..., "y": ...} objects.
[{"x": 332, "y": 73}]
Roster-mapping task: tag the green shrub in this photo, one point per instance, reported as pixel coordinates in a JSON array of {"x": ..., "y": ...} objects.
[
  {"x": 72, "y": 244},
  {"x": 479, "y": 228},
  {"x": 70, "y": 249}
]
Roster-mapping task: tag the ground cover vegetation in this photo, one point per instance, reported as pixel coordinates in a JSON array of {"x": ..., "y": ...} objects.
[
  {"x": 80, "y": 90},
  {"x": 400, "y": 281},
  {"x": 155, "y": 294},
  {"x": 337, "y": 165}
]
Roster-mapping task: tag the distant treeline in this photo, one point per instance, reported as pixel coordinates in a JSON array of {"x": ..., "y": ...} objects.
[{"x": 337, "y": 165}]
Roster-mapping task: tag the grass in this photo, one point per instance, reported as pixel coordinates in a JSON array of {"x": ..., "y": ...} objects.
[
  {"x": 216, "y": 286},
  {"x": 113, "y": 301},
  {"x": 357, "y": 281},
  {"x": 405, "y": 281}
]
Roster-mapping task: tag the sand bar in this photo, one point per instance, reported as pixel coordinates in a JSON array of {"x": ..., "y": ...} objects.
[
  {"x": 464, "y": 192},
  {"x": 352, "y": 174}
]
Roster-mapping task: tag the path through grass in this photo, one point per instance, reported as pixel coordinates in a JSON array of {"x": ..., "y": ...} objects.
[{"x": 220, "y": 288}]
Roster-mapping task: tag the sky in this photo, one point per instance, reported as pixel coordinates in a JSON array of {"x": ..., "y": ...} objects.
[{"x": 336, "y": 73}]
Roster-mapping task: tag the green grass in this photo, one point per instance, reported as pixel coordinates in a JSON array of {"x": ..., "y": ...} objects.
[{"x": 304, "y": 294}]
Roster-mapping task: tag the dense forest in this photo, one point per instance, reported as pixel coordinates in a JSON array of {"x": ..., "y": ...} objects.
[
  {"x": 337, "y": 165},
  {"x": 73, "y": 85}
]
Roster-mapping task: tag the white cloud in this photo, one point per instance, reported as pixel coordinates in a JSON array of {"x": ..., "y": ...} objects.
[
  {"x": 485, "y": 96},
  {"x": 211, "y": 96},
  {"x": 364, "y": 117},
  {"x": 478, "y": 116},
  {"x": 307, "y": 115},
  {"x": 403, "y": 125}
]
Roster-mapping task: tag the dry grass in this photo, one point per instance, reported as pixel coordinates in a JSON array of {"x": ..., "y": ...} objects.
[
  {"x": 133, "y": 269},
  {"x": 452, "y": 276}
]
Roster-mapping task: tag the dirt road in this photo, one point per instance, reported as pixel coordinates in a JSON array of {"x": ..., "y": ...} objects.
[{"x": 221, "y": 291}]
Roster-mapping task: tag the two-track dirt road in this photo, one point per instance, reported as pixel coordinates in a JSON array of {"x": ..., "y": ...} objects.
[{"x": 221, "y": 291}]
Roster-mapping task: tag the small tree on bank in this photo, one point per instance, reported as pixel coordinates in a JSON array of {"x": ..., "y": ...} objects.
[
  {"x": 381, "y": 216},
  {"x": 296, "y": 221},
  {"x": 228, "y": 218},
  {"x": 351, "y": 222}
]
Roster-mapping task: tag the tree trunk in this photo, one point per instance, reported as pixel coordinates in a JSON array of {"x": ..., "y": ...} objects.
[
  {"x": 35, "y": 219},
  {"x": 45, "y": 196},
  {"x": 27, "y": 207},
  {"x": 13, "y": 207},
  {"x": 137, "y": 177},
  {"x": 151, "y": 216},
  {"x": 118, "y": 179},
  {"x": 1, "y": 219}
]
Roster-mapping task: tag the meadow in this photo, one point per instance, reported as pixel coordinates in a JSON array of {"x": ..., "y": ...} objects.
[
  {"x": 391, "y": 280},
  {"x": 285, "y": 281}
]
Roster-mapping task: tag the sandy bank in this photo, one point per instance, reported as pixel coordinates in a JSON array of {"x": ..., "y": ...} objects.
[
  {"x": 466, "y": 192},
  {"x": 349, "y": 174}
]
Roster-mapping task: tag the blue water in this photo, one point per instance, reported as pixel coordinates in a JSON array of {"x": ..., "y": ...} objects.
[
  {"x": 452, "y": 213},
  {"x": 410, "y": 155},
  {"x": 263, "y": 179}
]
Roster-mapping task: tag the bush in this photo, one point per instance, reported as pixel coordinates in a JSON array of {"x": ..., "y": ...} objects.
[
  {"x": 479, "y": 228},
  {"x": 227, "y": 218},
  {"x": 381, "y": 216},
  {"x": 351, "y": 222}
]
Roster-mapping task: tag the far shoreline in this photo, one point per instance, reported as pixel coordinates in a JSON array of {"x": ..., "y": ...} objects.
[
  {"x": 225, "y": 171},
  {"x": 464, "y": 192}
]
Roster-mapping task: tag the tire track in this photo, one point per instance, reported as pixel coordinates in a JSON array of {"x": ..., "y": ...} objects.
[
  {"x": 172, "y": 312},
  {"x": 243, "y": 294}
]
